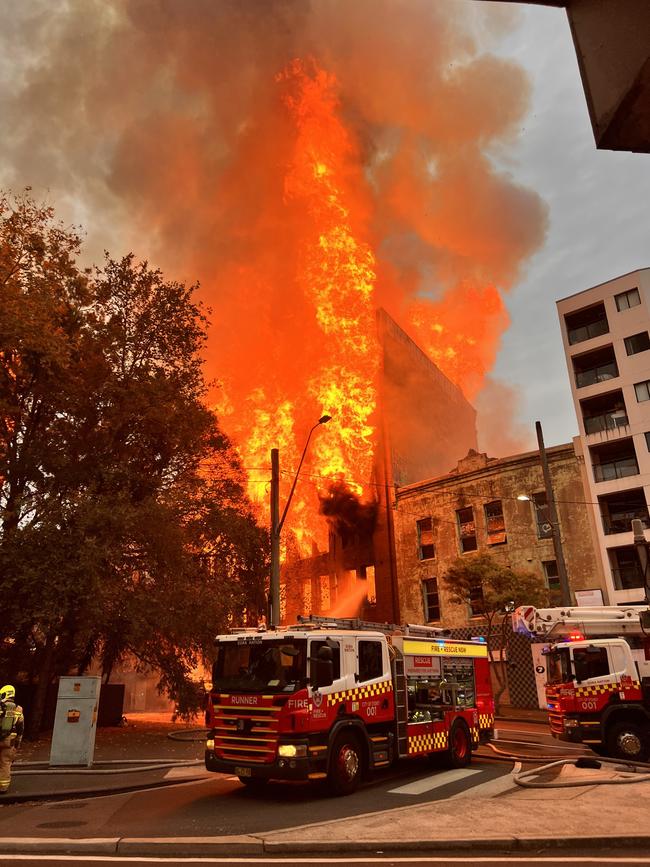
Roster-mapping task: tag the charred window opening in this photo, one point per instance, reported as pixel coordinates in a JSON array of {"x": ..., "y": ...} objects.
[
  {"x": 476, "y": 599},
  {"x": 542, "y": 516},
  {"x": 495, "y": 524},
  {"x": 431, "y": 599},
  {"x": 466, "y": 529},
  {"x": 426, "y": 546}
]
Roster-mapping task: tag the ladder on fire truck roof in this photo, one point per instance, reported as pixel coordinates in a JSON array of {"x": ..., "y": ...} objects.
[
  {"x": 413, "y": 629},
  {"x": 591, "y": 622}
]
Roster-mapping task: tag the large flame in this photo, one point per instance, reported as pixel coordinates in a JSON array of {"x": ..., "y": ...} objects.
[
  {"x": 335, "y": 275},
  {"x": 300, "y": 199}
]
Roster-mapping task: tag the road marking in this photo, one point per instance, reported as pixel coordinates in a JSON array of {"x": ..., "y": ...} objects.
[
  {"x": 187, "y": 773},
  {"x": 419, "y": 787}
]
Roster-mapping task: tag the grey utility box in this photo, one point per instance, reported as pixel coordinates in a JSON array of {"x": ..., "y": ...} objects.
[{"x": 75, "y": 722}]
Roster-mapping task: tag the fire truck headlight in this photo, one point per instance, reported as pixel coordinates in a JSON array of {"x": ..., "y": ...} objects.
[
  {"x": 292, "y": 751},
  {"x": 209, "y": 744},
  {"x": 570, "y": 723}
]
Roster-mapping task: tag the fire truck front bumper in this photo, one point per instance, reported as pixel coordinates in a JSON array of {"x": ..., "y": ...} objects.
[
  {"x": 570, "y": 731},
  {"x": 293, "y": 762}
]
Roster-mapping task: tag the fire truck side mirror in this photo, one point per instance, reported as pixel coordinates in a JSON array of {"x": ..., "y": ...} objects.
[{"x": 324, "y": 668}]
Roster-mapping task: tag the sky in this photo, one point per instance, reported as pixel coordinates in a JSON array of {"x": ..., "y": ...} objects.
[
  {"x": 593, "y": 204},
  {"x": 599, "y": 219}
]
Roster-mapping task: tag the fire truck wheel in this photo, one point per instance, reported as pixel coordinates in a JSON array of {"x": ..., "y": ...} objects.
[
  {"x": 460, "y": 745},
  {"x": 627, "y": 740},
  {"x": 346, "y": 765}
]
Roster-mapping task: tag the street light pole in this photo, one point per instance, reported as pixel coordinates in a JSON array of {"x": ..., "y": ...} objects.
[
  {"x": 555, "y": 526},
  {"x": 277, "y": 522}
]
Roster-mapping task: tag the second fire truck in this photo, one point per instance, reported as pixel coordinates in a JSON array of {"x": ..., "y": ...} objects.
[
  {"x": 334, "y": 699},
  {"x": 598, "y": 675}
]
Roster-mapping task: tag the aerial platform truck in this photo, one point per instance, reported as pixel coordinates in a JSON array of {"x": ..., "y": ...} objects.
[
  {"x": 598, "y": 675},
  {"x": 333, "y": 699}
]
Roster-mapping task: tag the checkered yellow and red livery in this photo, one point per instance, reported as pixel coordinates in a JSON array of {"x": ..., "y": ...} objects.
[
  {"x": 361, "y": 692},
  {"x": 427, "y": 743}
]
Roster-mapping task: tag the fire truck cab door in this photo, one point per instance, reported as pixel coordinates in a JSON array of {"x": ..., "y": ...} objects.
[{"x": 593, "y": 664}]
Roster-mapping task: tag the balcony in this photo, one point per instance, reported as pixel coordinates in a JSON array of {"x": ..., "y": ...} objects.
[
  {"x": 625, "y": 568},
  {"x": 616, "y": 470},
  {"x": 597, "y": 374},
  {"x": 585, "y": 324},
  {"x": 608, "y": 421},
  {"x": 593, "y": 367},
  {"x": 604, "y": 412},
  {"x": 620, "y": 509},
  {"x": 614, "y": 460}
]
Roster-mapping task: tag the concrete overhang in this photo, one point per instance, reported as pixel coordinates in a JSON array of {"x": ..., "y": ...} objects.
[{"x": 612, "y": 43}]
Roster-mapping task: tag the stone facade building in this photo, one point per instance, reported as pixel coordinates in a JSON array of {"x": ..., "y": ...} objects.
[{"x": 475, "y": 508}]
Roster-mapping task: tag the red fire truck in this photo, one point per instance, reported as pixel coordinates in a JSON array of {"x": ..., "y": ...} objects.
[
  {"x": 332, "y": 699},
  {"x": 598, "y": 675}
]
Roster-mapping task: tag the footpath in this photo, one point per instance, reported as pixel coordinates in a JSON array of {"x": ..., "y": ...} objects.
[{"x": 604, "y": 814}]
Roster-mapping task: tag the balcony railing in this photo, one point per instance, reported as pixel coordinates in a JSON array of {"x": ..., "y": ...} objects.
[
  {"x": 607, "y": 421},
  {"x": 627, "y": 577},
  {"x": 623, "y": 524},
  {"x": 586, "y": 332},
  {"x": 597, "y": 374},
  {"x": 616, "y": 470}
]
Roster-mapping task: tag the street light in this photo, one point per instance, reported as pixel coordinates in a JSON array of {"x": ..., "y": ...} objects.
[{"x": 277, "y": 523}]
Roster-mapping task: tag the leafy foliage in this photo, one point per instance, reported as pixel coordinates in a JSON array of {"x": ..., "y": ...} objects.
[
  {"x": 124, "y": 524},
  {"x": 500, "y": 590}
]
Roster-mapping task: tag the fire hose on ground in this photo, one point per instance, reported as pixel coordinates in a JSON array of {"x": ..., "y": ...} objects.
[{"x": 638, "y": 772}]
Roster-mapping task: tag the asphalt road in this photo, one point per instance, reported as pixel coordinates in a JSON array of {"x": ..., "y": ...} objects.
[{"x": 217, "y": 805}]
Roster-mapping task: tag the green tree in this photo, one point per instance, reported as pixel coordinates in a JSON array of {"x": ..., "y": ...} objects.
[
  {"x": 124, "y": 523},
  {"x": 493, "y": 590}
]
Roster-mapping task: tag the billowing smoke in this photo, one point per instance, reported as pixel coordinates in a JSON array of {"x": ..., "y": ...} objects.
[
  {"x": 346, "y": 515},
  {"x": 171, "y": 127}
]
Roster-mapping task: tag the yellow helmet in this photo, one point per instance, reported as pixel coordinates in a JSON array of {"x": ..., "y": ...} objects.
[{"x": 7, "y": 692}]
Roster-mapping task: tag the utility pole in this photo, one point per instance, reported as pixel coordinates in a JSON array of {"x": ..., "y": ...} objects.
[
  {"x": 274, "y": 589},
  {"x": 277, "y": 522},
  {"x": 555, "y": 525}
]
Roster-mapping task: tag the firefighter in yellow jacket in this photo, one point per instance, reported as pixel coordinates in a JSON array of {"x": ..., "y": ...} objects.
[{"x": 12, "y": 724}]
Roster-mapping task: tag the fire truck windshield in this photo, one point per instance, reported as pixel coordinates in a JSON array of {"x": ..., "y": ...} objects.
[
  {"x": 558, "y": 666},
  {"x": 278, "y": 665}
]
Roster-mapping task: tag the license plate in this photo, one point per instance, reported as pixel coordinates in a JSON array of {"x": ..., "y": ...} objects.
[{"x": 243, "y": 772}]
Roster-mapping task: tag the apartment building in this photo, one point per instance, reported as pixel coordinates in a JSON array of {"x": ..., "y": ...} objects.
[{"x": 606, "y": 335}]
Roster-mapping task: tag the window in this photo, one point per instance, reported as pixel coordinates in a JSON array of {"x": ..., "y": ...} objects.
[
  {"x": 642, "y": 390},
  {"x": 551, "y": 574},
  {"x": 466, "y": 529},
  {"x": 637, "y": 343},
  {"x": 647, "y": 440},
  {"x": 625, "y": 300},
  {"x": 431, "y": 599},
  {"x": 590, "y": 662},
  {"x": 370, "y": 661},
  {"x": 476, "y": 600},
  {"x": 426, "y": 548},
  {"x": 368, "y": 572},
  {"x": 495, "y": 524},
  {"x": 336, "y": 657},
  {"x": 542, "y": 516}
]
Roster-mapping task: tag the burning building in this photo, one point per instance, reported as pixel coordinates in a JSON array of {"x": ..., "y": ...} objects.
[{"x": 423, "y": 424}]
